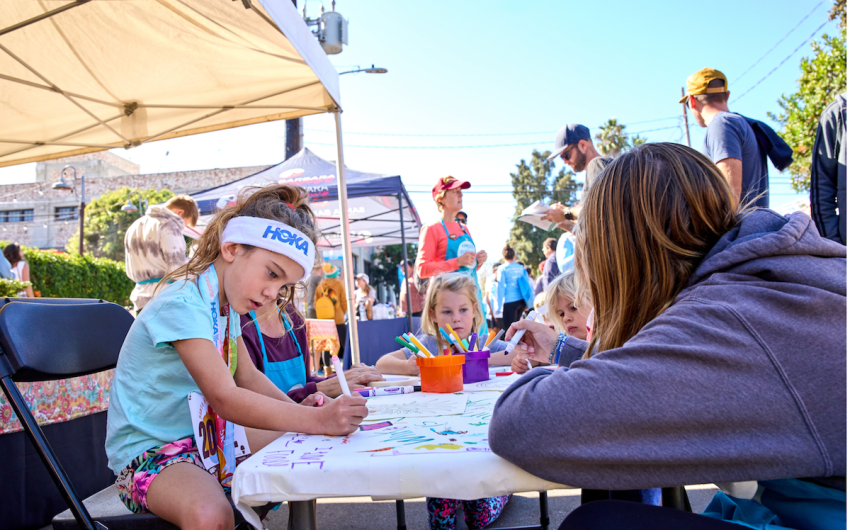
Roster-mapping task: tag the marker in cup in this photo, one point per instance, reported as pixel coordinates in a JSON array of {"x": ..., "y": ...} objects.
[{"x": 514, "y": 341}]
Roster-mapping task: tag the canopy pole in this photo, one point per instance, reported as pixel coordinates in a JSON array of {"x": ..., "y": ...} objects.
[
  {"x": 404, "y": 265},
  {"x": 347, "y": 265}
]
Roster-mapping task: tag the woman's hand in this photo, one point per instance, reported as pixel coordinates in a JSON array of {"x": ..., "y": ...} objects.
[
  {"x": 537, "y": 342},
  {"x": 317, "y": 399},
  {"x": 467, "y": 259},
  {"x": 342, "y": 415},
  {"x": 481, "y": 257}
]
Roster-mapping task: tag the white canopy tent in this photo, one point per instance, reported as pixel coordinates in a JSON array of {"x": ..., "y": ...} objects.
[{"x": 79, "y": 76}]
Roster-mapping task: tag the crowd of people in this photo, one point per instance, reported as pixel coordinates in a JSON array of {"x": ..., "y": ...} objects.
[{"x": 689, "y": 335}]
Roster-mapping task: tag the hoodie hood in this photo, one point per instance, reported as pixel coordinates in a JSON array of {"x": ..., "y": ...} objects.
[{"x": 769, "y": 246}]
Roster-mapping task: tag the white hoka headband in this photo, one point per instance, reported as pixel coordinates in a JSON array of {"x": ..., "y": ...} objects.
[{"x": 273, "y": 236}]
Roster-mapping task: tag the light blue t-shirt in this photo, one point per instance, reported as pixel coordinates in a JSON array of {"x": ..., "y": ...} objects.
[
  {"x": 513, "y": 285},
  {"x": 148, "y": 404},
  {"x": 565, "y": 252}
]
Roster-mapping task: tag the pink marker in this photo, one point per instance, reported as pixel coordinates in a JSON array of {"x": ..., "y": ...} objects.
[{"x": 320, "y": 402}]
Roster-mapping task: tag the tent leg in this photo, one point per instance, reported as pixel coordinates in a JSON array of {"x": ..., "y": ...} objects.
[
  {"x": 347, "y": 265},
  {"x": 404, "y": 257}
]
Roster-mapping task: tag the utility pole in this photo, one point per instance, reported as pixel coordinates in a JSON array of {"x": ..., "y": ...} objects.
[
  {"x": 685, "y": 114},
  {"x": 294, "y": 134}
]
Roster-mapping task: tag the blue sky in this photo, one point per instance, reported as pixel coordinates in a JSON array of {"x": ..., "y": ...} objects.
[{"x": 508, "y": 69}]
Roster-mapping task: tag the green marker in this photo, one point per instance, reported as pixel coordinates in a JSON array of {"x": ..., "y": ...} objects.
[{"x": 407, "y": 345}]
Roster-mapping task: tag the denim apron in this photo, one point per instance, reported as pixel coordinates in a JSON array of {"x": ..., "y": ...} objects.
[
  {"x": 286, "y": 375},
  {"x": 457, "y": 245}
]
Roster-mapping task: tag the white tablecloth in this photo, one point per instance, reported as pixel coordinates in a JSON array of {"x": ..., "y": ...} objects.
[{"x": 437, "y": 456}]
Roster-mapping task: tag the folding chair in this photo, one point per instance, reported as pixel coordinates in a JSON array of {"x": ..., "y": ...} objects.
[
  {"x": 47, "y": 339},
  {"x": 674, "y": 497}
]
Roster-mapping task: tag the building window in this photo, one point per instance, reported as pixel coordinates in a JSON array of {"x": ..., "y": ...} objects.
[
  {"x": 15, "y": 216},
  {"x": 66, "y": 213}
]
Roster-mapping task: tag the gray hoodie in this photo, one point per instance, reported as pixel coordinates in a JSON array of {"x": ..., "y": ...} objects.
[{"x": 742, "y": 378}]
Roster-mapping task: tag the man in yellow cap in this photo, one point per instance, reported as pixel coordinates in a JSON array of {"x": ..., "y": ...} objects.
[{"x": 729, "y": 141}]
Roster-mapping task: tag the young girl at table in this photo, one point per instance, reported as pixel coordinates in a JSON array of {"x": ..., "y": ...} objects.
[
  {"x": 188, "y": 340},
  {"x": 452, "y": 300},
  {"x": 276, "y": 340},
  {"x": 568, "y": 315}
]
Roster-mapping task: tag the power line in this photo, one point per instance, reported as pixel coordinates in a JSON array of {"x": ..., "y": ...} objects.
[
  {"x": 467, "y": 146},
  {"x": 778, "y": 43},
  {"x": 809, "y": 38},
  {"x": 481, "y": 134}
]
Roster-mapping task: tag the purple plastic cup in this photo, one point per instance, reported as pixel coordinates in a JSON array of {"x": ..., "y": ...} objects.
[{"x": 476, "y": 368}]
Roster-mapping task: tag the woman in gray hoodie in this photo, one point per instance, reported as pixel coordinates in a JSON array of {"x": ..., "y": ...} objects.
[{"x": 718, "y": 353}]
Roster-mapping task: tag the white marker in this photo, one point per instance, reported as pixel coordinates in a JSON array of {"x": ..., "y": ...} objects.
[
  {"x": 514, "y": 341},
  {"x": 343, "y": 384},
  {"x": 392, "y": 391}
]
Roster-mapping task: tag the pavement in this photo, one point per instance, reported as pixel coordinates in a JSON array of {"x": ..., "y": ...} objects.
[{"x": 361, "y": 513}]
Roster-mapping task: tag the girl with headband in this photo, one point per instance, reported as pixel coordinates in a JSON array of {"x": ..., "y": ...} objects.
[{"x": 188, "y": 339}]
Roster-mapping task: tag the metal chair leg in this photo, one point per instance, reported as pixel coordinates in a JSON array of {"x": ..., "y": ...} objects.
[
  {"x": 399, "y": 515},
  {"x": 544, "y": 510},
  {"x": 676, "y": 498}
]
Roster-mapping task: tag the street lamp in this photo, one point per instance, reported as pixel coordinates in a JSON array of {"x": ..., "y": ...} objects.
[
  {"x": 371, "y": 70},
  {"x": 62, "y": 185},
  {"x": 130, "y": 207}
]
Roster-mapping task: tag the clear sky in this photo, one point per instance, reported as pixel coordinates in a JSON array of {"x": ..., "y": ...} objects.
[{"x": 474, "y": 86}]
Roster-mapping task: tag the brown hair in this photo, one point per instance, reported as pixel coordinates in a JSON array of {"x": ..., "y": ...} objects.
[
  {"x": 13, "y": 253},
  {"x": 647, "y": 222},
  {"x": 282, "y": 202},
  {"x": 716, "y": 97},
  {"x": 508, "y": 252},
  {"x": 551, "y": 243},
  {"x": 188, "y": 205}
]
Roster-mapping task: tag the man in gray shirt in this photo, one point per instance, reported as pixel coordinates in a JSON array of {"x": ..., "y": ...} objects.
[
  {"x": 574, "y": 146},
  {"x": 729, "y": 141}
]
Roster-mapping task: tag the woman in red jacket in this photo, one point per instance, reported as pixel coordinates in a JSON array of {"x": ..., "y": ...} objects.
[{"x": 447, "y": 246}]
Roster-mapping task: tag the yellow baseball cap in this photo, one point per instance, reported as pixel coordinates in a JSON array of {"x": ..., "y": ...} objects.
[{"x": 697, "y": 83}]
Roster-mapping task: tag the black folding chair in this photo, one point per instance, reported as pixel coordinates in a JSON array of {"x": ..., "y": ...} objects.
[
  {"x": 674, "y": 497},
  {"x": 46, "y": 339}
]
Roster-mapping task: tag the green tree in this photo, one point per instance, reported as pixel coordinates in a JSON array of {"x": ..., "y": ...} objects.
[
  {"x": 106, "y": 223},
  {"x": 614, "y": 140},
  {"x": 384, "y": 268},
  {"x": 822, "y": 78},
  {"x": 535, "y": 182}
]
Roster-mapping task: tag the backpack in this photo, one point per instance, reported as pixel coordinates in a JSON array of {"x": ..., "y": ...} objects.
[{"x": 325, "y": 305}]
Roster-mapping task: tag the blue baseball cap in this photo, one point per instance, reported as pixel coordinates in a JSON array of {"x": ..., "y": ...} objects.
[{"x": 567, "y": 136}]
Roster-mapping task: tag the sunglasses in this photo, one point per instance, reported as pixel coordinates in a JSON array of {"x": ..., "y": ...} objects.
[{"x": 565, "y": 156}]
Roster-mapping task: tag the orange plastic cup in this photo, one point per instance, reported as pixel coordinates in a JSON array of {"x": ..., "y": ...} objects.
[{"x": 442, "y": 374}]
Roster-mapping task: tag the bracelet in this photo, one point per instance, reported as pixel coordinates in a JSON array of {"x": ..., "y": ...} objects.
[{"x": 555, "y": 355}]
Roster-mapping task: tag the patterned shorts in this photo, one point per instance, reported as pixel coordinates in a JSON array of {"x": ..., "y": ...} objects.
[{"x": 135, "y": 479}]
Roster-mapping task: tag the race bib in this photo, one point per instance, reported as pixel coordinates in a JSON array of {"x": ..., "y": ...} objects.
[{"x": 222, "y": 445}]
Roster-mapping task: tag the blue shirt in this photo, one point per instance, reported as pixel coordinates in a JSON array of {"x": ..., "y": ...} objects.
[
  {"x": 148, "y": 404},
  {"x": 513, "y": 285},
  {"x": 730, "y": 136},
  {"x": 5, "y": 267}
]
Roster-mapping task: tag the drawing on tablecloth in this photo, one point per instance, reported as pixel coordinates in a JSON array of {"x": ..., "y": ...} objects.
[
  {"x": 431, "y": 447},
  {"x": 498, "y": 384},
  {"x": 416, "y": 405}
]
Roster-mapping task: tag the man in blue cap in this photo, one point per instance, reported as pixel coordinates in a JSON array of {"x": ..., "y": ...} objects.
[{"x": 574, "y": 146}]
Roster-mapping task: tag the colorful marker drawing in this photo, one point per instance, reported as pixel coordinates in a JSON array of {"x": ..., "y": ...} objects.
[
  {"x": 449, "y": 432},
  {"x": 431, "y": 447},
  {"x": 376, "y": 426},
  {"x": 377, "y": 450},
  {"x": 479, "y": 424}
]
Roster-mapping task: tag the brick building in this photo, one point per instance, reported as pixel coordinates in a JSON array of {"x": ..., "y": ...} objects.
[{"x": 36, "y": 215}]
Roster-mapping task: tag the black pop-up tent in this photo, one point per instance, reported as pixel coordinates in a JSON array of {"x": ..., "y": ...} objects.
[{"x": 379, "y": 208}]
